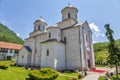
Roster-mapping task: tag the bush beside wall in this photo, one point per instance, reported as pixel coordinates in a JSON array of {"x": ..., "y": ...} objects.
[
  {"x": 2, "y": 66},
  {"x": 43, "y": 74}
]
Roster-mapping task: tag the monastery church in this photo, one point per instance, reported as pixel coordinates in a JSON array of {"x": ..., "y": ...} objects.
[{"x": 66, "y": 45}]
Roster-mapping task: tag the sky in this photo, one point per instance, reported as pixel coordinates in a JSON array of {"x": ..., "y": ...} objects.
[{"x": 19, "y": 15}]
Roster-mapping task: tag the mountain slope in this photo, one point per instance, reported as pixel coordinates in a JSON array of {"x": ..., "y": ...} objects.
[
  {"x": 9, "y": 36},
  {"x": 101, "y": 50}
]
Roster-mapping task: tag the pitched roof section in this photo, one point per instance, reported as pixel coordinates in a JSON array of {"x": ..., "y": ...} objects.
[
  {"x": 80, "y": 23},
  {"x": 49, "y": 40},
  {"x": 28, "y": 48},
  {"x": 10, "y": 45}
]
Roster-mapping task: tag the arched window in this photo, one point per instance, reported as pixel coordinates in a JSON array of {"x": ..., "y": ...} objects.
[
  {"x": 49, "y": 35},
  {"x": 39, "y": 27},
  {"x": 65, "y": 40},
  {"x": 22, "y": 56},
  {"x": 43, "y": 27},
  {"x": 47, "y": 53},
  {"x": 68, "y": 15}
]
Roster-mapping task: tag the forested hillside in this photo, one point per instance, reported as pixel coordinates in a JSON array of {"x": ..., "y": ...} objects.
[
  {"x": 101, "y": 51},
  {"x": 9, "y": 36}
]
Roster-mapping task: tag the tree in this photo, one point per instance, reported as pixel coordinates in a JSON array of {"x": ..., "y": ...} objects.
[{"x": 113, "y": 50}]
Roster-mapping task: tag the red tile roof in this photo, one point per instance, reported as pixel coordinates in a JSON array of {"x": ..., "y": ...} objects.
[{"x": 10, "y": 45}]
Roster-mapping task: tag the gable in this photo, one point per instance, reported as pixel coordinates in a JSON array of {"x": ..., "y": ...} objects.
[
  {"x": 86, "y": 26},
  {"x": 28, "y": 48},
  {"x": 25, "y": 49}
]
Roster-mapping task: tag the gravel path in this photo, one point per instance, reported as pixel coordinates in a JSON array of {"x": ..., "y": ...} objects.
[{"x": 95, "y": 76}]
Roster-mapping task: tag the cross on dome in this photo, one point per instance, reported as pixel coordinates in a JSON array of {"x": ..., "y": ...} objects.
[
  {"x": 69, "y": 5},
  {"x": 40, "y": 17}
]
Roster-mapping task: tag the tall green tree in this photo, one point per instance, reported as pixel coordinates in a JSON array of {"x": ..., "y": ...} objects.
[{"x": 113, "y": 50}]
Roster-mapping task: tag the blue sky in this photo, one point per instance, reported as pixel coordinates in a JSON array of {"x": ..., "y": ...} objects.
[{"x": 19, "y": 15}]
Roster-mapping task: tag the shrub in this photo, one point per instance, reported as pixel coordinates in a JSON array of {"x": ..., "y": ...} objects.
[
  {"x": 74, "y": 78},
  {"x": 2, "y": 66},
  {"x": 102, "y": 78},
  {"x": 79, "y": 76},
  {"x": 43, "y": 74}
]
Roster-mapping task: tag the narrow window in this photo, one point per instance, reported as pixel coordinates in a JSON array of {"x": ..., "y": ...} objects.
[
  {"x": 43, "y": 27},
  {"x": 86, "y": 38},
  {"x": 76, "y": 16},
  {"x": 47, "y": 52},
  {"x": 65, "y": 40},
  {"x": 68, "y": 15},
  {"x": 22, "y": 56},
  {"x": 49, "y": 35},
  {"x": 39, "y": 27}
]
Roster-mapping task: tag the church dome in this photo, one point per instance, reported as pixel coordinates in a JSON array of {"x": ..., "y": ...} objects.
[
  {"x": 69, "y": 7},
  {"x": 69, "y": 12},
  {"x": 54, "y": 25},
  {"x": 40, "y": 20}
]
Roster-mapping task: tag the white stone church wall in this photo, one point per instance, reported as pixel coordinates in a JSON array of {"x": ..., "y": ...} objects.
[
  {"x": 22, "y": 58},
  {"x": 59, "y": 62},
  {"x": 56, "y": 58},
  {"x": 39, "y": 48},
  {"x": 55, "y": 33},
  {"x": 72, "y": 48},
  {"x": 88, "y": 45},
  {"x": 66, "y": 23},
  {"x": 31, "y": 43},
  {"x": 47, "y": 61}
]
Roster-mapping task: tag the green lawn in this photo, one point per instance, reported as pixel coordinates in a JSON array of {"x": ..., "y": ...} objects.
[
  {"x": 111, "y": 78},
  {"x": 18, "y": 73},
  {"x": 13, "y": 73}
]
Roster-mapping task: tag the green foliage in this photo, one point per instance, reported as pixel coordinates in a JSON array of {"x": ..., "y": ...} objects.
[
  {"x": 3, "y": 66},
  {"x": 43, "y": 74},
  {"x": 63, "y": 78},
  {"x": 102, "y": 78},
  {"x": 101, "y": 52},
  {"x": 112, "y": 48},
  {"x": 111, "y": 78},
  {"x": 22, "y": 74},
  {"x": 114, "y": 52},
  {"x": 9, "y": 36}
]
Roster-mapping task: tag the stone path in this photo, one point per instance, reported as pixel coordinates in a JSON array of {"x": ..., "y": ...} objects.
[{"x": 95, "y": 76}]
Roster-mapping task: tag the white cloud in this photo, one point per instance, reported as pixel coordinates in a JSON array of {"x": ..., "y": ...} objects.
[
  {"x": 17, "y": 34},
  {"x": 96, "y": 30},
  {"x": 94, "y": 27},
  {"x": 94, "y": 41}
]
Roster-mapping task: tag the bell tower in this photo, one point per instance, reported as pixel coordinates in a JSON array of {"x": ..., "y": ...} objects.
[
  {"x": 69, "y": 12},
  {"x": 40, "y": 25}
]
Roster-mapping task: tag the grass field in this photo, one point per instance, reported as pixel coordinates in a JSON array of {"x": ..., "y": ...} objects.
[{"x": 18, "y": 73}]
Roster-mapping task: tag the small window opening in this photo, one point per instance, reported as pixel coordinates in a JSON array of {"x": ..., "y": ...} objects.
[
  {"x": 22, "y": 56},
  {"x": 44, "y": 28},
  {"x": 65, "y": 40},
  {"x": 47, "y": 52},
  {"x": 86, "y": 38},
  {"x": 49, "y": 35},
  {"x": 68, "y": 15},
  {"x": 39, "y": 27}
]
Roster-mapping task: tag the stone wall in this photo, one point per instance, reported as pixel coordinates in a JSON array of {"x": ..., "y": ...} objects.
[
  {"x": 56, "y": 57},
  {"x": 72, "y": 47},
  {"x": 55, "y": 33},
  {"x": 23, "y": 56}
]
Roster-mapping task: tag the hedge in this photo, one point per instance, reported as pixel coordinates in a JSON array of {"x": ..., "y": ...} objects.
[
  {"x": 2, "y": 66},
  {"x": 43, "y": 74},
  {"x": 102, "y": 78}
]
